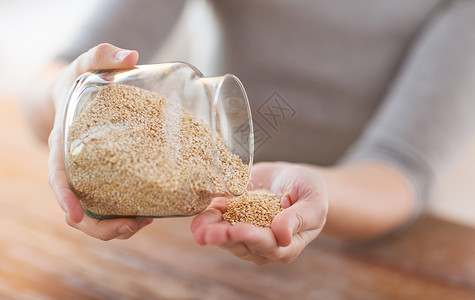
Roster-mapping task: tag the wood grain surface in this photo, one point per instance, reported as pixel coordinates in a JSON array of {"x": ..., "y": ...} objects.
[{"x": 42, "y": 258}]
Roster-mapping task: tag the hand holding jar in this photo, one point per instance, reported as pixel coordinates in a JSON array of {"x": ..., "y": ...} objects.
[{"x": 103, "y": 56}]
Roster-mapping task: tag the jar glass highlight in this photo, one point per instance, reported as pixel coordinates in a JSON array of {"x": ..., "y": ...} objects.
[{"x": 156, "y": 141}]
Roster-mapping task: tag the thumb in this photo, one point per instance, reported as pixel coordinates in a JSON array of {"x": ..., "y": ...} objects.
[
  {"x": 287, "y": 223},
  {"x": 105, "y": 56},
  {"x": 301, "y": 216}
]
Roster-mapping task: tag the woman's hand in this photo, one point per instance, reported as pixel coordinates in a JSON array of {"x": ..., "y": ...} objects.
[
  {"x": 103, "y": 56},
  {"x": 304, "y": 199}
]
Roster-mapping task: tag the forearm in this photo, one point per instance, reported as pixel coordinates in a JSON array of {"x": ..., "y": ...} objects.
[
  {"x": 426, "y": 117},
  {"x": 366, "y": 200}
]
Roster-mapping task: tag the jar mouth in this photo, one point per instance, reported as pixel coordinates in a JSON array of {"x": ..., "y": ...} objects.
[{"x": 231, "y": 119}]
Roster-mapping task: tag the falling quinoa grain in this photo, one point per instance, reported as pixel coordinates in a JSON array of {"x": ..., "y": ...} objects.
[{"x": 135, "y": 153}]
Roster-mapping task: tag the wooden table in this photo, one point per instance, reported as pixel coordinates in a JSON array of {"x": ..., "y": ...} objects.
[{"x": 42, "y": 258}]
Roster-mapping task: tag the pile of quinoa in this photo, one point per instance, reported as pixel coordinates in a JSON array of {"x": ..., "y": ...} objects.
[
  {"x": 135, "y": 153},
  {"x": 257, "y": 207}
]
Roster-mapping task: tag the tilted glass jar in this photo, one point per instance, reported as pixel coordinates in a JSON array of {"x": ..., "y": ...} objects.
[{"x": 156, "y": 141}]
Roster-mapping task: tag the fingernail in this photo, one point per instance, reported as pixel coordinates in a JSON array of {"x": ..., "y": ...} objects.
[
  {"x": 285, "y": 202},
  {"x": 125, "y": 229},
  {"x": 144, "y": 222},
  {"x": 121, "y": 55}
]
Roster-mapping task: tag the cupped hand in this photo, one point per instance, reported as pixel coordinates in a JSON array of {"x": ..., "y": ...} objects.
[
  {"x": 304, "y": 199},
  {"x": 103, "y": 56}
]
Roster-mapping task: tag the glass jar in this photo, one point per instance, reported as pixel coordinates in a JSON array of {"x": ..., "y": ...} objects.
[{"x": 156, "y": 141}]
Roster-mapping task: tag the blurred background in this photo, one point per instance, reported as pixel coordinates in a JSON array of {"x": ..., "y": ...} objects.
[{"x": 32, "y": 32}]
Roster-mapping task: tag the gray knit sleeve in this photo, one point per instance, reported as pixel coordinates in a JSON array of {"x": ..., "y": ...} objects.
[
  {"x": 140, "y": 25},
  {"x": 428, "y": 113}
]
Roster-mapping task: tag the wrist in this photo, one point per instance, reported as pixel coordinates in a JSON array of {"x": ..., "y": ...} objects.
[{"x": 366, "y": 200}]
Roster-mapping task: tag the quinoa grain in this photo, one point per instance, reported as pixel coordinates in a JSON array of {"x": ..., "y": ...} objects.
[{"x": 258, "y": 207}]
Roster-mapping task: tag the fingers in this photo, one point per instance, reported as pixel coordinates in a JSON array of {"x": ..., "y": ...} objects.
[
  {"x": 209, "y": 216},
  {"x": 304, "y": 215},
  {"x": 102, "y": 229},
  {"x": 213, "y": 234},
  {"x": 109, "y": 229},
  {"x": 305, "y": 208},
  {"x": 213, "y": 214},
  {"x": 245, "y": 241},
  {"x": 305, "y": 203},
  {"x": 105, "y": 56},
  {"x": 259, "y": 245},
  {"x": 242, "y": 251},
  {"x": 258, "y": 240},
  {"x": 288, "y": 223}
]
